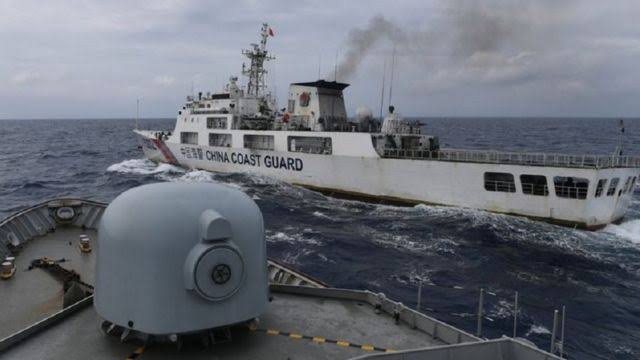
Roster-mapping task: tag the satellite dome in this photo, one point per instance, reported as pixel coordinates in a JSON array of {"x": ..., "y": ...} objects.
[{"x": 177, "y": 258}]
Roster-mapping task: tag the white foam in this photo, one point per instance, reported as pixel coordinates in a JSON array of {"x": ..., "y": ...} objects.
[
  {"x": 423, "y": 207},
  {"x": 195, "y": 176},
  {"x": 398, "y": 241},
  {"x": 629, "y": 230},
  {"x": 502, "y": 310},
  {"x": 167, "y": 172},
  {"x": 538, "y": 330},
  {"x": 324, "y": 258},
  {"x": 294, "y": 257},
  {"x": 143, "y": 167},
  {"x": 297, "y": 238},
  {"x": 322, "y": 215}
]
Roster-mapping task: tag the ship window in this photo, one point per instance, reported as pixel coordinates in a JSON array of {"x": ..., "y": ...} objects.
[
  {"x": 310, "y": 144},
  {"x": 217, "y": 122},
  {"x": 625, "y": 188},
  {"x": 612, "y": 186},
  {"x": 258, "y": 142},
  {"x": 571, "y": 187},
  {"x": 632, "y": 183},
  {"x": 187, "y": 137},
  {"x": 534, "y": 185},
  {"x": 291, "y": 106},
  {"x": 223, "y": 140},
  {"x": 600, "y": 188},
  {"x": 503, "y": 182}
]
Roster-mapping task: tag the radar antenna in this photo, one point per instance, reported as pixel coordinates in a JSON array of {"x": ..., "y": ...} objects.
[
  {"x": 257, "y": 55},
  {"x": 393, "y": 65},
  {"x": 384, "y": 73}
]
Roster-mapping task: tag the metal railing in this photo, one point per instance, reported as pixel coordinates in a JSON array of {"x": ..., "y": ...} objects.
[
  {"x": 571, "y": 192},
  {"x": 501, "y": 186},
  {"x": 513, "y": 158},
  {"x": 535, "y": 189}
]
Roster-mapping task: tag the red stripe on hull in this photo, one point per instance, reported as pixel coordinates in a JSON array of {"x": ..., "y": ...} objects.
[{"x": 166, "y": 152}]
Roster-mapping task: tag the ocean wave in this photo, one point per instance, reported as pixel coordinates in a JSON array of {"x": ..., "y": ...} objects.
[
  {"x": 629, "y": 230},
  {"x": 413, "y": 277},
  {"x": 322, "y": 215},
  {"x": 169, "y": 173},
  {"x": 502, "y": 310},
  {"x": 191, "y": 176},
  {"x": 144, "y": 167},
  {"x": 33, "y": 185},
  {"x": 537, "y": 330},
  {"x": 303, "y": 237},
  {"x": 405, "y": 242},
  {"x": 293, "y": 257},
  {"x": 324, "y": 258}
]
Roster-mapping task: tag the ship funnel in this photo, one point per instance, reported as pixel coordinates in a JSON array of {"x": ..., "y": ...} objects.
[
  {"x": 178, "y": 259},
  {"x": 391, "y": 109}
]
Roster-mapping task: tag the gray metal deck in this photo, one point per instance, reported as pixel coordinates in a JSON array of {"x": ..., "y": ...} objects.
[
  {"x": 32, "y": 295},
  {"x": 305, "y": 320},
  {"x": 79, "y": 336}
]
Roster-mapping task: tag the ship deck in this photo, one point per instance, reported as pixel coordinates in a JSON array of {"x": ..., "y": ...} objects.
[
  {"x": 32, "y": 295},
  {"x": 517, "y": 158},
  {"x": 304, "y": 319},
  {"x": 332, "y": 319},
  {"x": 344, "y": 323}
]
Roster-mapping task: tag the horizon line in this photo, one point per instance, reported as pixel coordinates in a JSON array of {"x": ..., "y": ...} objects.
[{"x": 406, "y": 116}]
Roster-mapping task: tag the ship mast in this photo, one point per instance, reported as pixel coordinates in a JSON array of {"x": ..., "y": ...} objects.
[{"x": 256, "y": 71}]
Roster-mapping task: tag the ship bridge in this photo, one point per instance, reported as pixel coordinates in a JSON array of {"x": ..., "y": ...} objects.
[{"x": 317, "y": 105}]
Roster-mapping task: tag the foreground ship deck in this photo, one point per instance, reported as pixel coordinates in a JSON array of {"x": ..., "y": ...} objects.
[
  {"x": 305, "y": 319},
  {"x": 302, "y": 323}
]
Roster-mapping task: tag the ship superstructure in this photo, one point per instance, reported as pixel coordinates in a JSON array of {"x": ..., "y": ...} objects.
[{"x": 312, "y": 142}]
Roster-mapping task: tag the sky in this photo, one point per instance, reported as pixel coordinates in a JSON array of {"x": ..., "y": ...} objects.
[{"x": 93, "y": 59}]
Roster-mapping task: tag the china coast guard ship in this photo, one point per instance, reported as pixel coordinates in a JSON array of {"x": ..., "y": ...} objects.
[{"x": 313, "y": 143}]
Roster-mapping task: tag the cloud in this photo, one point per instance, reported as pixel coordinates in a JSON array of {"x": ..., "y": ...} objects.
[
  {"x": 26, "y": 77},
  {"x": 164, "y": 80},
  {"x": 510, "y": 57}
]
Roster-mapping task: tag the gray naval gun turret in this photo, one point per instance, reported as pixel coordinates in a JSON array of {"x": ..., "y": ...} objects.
[{"x": 180, "y": 258}]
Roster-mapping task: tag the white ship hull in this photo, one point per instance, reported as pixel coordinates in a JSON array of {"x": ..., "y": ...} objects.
[
  {"x": 412, "y": 181},
  {"x": 312, "y": 142}
]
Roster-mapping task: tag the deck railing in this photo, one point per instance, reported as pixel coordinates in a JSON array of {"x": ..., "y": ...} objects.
[{"x": 513, "y": 158}]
